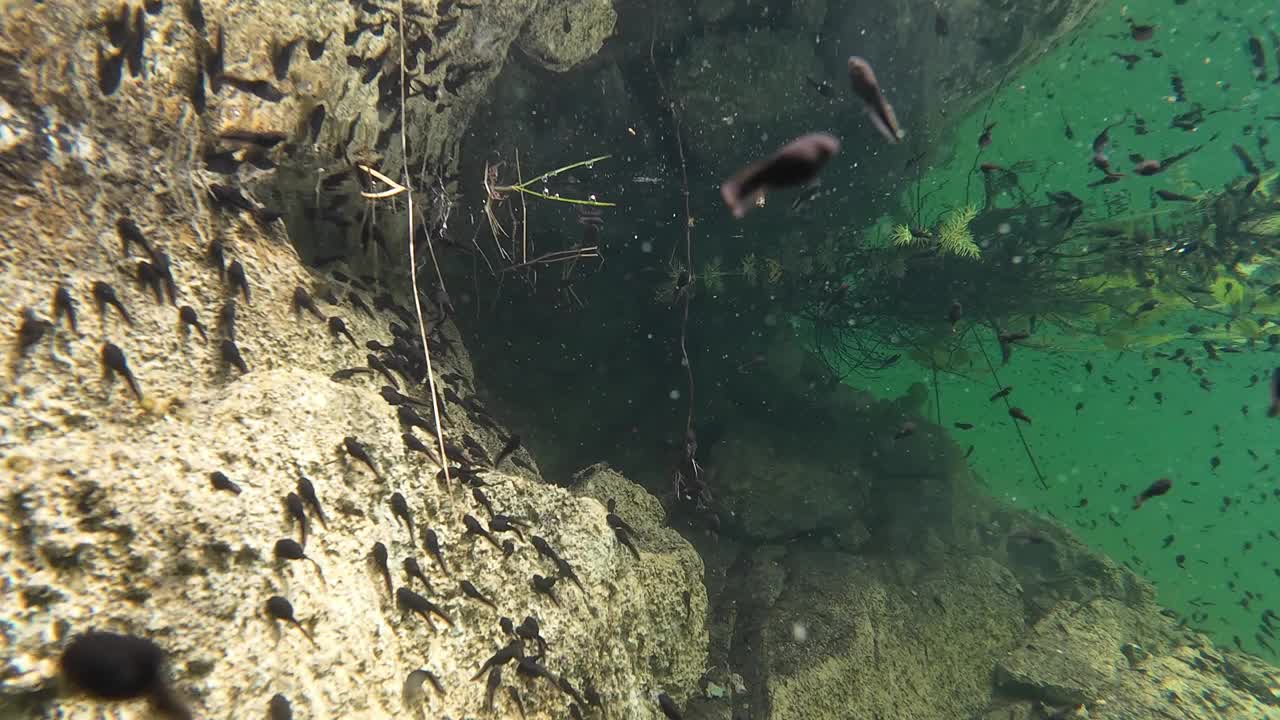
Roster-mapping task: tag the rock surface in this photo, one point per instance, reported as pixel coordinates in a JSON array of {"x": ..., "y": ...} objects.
[
  {"x": 109, "y": 517},
  {"x": 855, "y": 636}
]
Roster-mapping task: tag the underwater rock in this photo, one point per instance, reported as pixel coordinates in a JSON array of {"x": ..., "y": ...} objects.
[
  {"x": 1077, "y": 654},
  {"x": 1075, "y": 651},
  {"x": 668, "y": 574},
  {"x": 115, "y": 525},
  {"x": 563, "y": 33},
  {"x": 776, "y": 484},
  {"x": 857, "y": 636}
]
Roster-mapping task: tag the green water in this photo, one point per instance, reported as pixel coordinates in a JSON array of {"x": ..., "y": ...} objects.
[{"x": 1123, "y": 438}]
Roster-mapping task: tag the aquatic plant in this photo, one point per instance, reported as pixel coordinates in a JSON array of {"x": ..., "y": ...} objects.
[
  {"x": 773, "y": 270},
  {"x": 748, "y": 269},
  {"x": 712, "y": 277},
  {"x": 903, "y": 237},
  {"x": 954, "y": 236}
]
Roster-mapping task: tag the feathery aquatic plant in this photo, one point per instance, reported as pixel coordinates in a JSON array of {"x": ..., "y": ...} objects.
[
  {"x": 954, "y": 236},
  {"x": 903, "y": 237}
]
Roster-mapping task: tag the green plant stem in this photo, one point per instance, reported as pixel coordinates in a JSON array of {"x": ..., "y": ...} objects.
[{"x": 523, "y": 187}]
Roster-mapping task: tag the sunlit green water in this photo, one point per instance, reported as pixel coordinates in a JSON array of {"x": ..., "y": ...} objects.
[{"x": 1095, "y": 460}]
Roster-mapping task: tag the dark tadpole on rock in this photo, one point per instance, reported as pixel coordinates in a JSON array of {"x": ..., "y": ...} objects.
[
  {"x": 297, "y": 511},
  {"x": 281, "y": 609},
  {"x": 220, "y": 481},
  {"x": 865, "y": 86},
  {"x": 187, "y": 318},
  {"x": 64, "y": 306},
  {"x": 114, "y": 363},
  {"x": 289, "y": 549},
  {"x": 796, "y": 163},
  {"x": 110, "y": 666},
  {"x": 308, "y": 493},
  {"x": 279, "y": 708}
]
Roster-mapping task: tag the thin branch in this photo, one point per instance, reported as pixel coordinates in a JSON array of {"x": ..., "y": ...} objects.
[{"x": 413, "y": 264}]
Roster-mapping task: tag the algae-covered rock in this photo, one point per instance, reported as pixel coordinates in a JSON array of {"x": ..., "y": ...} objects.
[
  {"x": 671, "y": 573},
  {"x": 121, "y": 167},
  {"x": 563, "y": 33},
  {"x": 1076, "y": 651},
  {"x": 1083, "y": 654},
  {"x": 777, "y": 485},
  {"x": 850, "y": 637}
]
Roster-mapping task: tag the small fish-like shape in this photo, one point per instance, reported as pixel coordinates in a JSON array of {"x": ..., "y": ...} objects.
[
  {"x": 148, "y": 279},
  {"x": 280, "y": 608},
  {"x": 230, "y": 353},
  {"x": 963, "y": 426},
  {"x": 279, "y": 708},
  {"x": 379, "y": 556},
  {"x": 114, "y": 667},
  {"x": 130, "y": 234},
  {"x": 1141, "y": 33},
  {"x": 64, "y": 307},
  {"x": 1156, "y": 489},
  {"x": 411, "y": 442},
  {"x": 491, "y": 687},
  {"x": 863, "y": 81},
  {"x": 302, "y": 301},
  {"x": 237, "y": 281},
  {"x": 511, "y": 651},
  {"x": 985, "y": 138},
  {"x": 400, "y": 509},
  {"x": 358, "y": 451},
  {"x": 227, "y": 320},
  {"x": 1273, "y": 409},
  {"x": 796, "y": 163},
  {"x": 338, "y": 327},
  {"x": 295, "y": 509},
  {"x": 411, "y": 601},
  {"x": 104, "y": 295},
  {"x": 220, "y": 481},
  {"x": 187, "y": 318},
  {"x": 411, "y": 419},
  {"x": 504, "y": 523},
  {"x": 307, "y": 492},
  {"x": 1018, "y": 414},
  {"x": 1147, "y": 168},
  {"x": 216, "y": 255},
  {"x": 431, "y": 541},
  {"x": 545, "y": 586},
  {"x": 1258, "y": 57},
  {"x": 954, "y": 313},
  {"x": 474, "y": 527},
  {"x": 394, "y": 397},
  {"x": 115, "y": 364},
  {"x": 1170, "y": 196},
  {"x": 474, "y": 593},
  {"x": 289, "y": 549},
  {"x": 1004, "y": 392},
  {"x": 414, "y": 571}
]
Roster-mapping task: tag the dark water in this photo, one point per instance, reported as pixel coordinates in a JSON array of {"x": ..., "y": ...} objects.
[{"x": 1137, "y": 287}]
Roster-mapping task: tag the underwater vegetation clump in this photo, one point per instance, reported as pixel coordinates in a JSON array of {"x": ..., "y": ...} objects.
[{"x": 951, "y": 237}]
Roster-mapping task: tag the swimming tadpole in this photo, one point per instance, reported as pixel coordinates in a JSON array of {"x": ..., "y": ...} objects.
[{"x": 796, "y": 163}]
